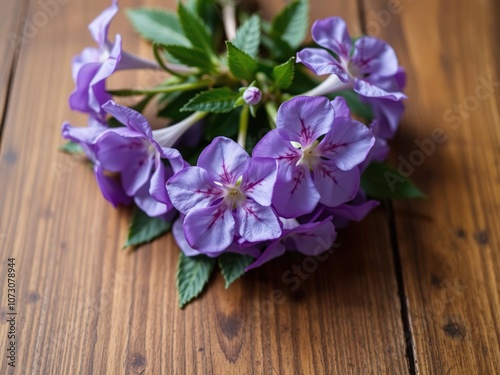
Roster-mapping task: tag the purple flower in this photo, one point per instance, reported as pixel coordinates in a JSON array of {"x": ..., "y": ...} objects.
[
  {"x": 363, "y": 65},
  {"x": 309, "y": 239},
  {"x": 228, "y": 194},
  {"x": 252, "y": 96},
  {"x": 86, "y": 137},
  {"x": 317, "y": 155},
  {"x": 380, "y": 148},
  {"x": 94, "y": 65},
  {"x": 132, "y": 152}
]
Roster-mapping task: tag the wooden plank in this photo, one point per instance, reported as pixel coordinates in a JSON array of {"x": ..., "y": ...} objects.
[
  {"x": 11, "y": 31},
  {"x": 87, "y": 307},
  {"x": 449, "y": 243}
]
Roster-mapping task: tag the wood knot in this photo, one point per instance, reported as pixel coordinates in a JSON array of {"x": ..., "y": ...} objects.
[
  {"x": 482, "y": 237},
  {"x": 32, "y": 297},
  {"x": 454, "y": 330},
  {"x": 137, "y": 363}
]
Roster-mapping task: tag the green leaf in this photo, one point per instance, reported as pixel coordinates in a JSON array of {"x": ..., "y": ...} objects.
[
  {"x": 195, "y": 29},
  {"x": 219, "y": 100},
  {"x": 144, "y": 229},
  {"x": 248, "y": 36},
  {"x": 241, "y": 65},
  {"x": 157, "y": 25},
  {"x": 192, "y": 276},
  {"x": 233, "y": 265},
  {"x": 356, "y": 105},
  {"x": 279, "y": 49},
  {"x": 191, "y": 56},
  {"x": 384, "y": 182},
  {"x": 283, "y": 74},
  {"x": 292, "y": 22},
  {"x": 71, "y": 147},
  {"x": 225, "y": 124}
]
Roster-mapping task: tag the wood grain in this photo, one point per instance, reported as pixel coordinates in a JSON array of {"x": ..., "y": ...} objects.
[
  {"x": 11, "y": 37},
  {"x": 87, "y": 307},
  {"x": 449, "y": 243}
]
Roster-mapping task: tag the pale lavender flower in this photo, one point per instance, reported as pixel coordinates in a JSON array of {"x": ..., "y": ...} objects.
[{"x": 252, "y": 96}]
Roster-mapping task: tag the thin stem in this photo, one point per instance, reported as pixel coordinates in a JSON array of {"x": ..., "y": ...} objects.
[
  {"x": 174, "y": 69},
  {"x": 229, "y": 19},
  {"x": 162, "y": 89},
  {"x": 242, "y": 134},
  {"x": 272, "y": 112}
]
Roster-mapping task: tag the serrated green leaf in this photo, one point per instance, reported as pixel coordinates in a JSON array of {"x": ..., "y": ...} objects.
[
  {"x": 219, "y": 100},
  {"x": 144, "y": 229},
  {"x": 279, "y": 49},
  {"x": 248, "y": 36},
  {"x": 384, "y": 182},
  {"x": 71, "y": 147},
  {"x": 157, "y": 25},
  {"x": 292, "y": 22},
  {"x": 195, "y": 29},
  {"x": 283, "y": 74},
  {"x": 233, "y": 265},
  {"x": 193, "y": 274},
  {"x": 241, "y": 65},
  {"x": 191, "y": 56},
  {"x": 356, "y": 105}
]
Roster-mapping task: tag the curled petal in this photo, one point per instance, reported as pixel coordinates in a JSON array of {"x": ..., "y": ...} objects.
[
  {"x": 321, "y": 63},
  {"x": 274, "y": 250},
  {"x": 304, "y": 119},
  {"x": 111, "y": 188},
  {"x": 371, "y": 90},
  {"x": 374, "y": 56},
  {"x": 313, "y": 238},
  {"x": 117, "y": 148},
  {"x": 331, "y": 33},
  {"x": 354, "y": 212},
  {"x": 128, "y": 117},
  {"x": 209, "y": 229},
  {"x": 100, "y": 25},
  {"x": 147, "y": 203},
  {"x": 192, "y": 188},
  {"x": 137, "y": 174}
]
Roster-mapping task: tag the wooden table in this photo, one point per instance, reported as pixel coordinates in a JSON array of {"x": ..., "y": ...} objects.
[{"x": 413, "y": 289}]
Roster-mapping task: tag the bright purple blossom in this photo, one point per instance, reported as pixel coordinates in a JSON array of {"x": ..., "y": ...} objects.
[
  {"x": 94, "y": 65},
  {"x": 364, "y": 65},
  {"x": 309, "y": 239},
  {"x": 317, "y": 154},
  {"x": 227, "y": 195}
]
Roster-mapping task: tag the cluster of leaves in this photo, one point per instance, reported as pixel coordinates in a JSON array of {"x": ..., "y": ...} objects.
[{"x": 261, "y": 55}]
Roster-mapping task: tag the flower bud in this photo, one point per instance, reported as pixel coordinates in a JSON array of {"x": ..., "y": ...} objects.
[{"x": 252, "y": 96}]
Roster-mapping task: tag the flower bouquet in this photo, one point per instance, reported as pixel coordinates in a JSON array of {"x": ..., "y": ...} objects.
[{"x": 258, "y": 155}]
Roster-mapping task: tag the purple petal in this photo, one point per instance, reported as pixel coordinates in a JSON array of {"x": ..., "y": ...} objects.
[
  {"x": 128, "y": 117},
  {"x": 335, "y": 185},
  {"x": 137, "y": 174},
  {"x": 313, "y": 238},
  {"x": 192, "y": 188},
  {"x": 148, "y": 204},
  {"x": 355, "y": 213},
  {"x": 180, "y": 239},
  {"x": 321, "y": 63},
  {"x": 157, "y": 185},
  {"x": 304, "y": 119},
  {"x": 297, "y": 197},
  {"x": 259, "y": 179},
  {"x": 79, "y": 98},
  {"x": 347, "y": 144},
  {"x": 257, "y": 223},
  {"x": 224, "y": 158},
  {"x": 100, "y": 25},
  {"x": 331, "y": 33},
  {"x": 209, "y": 229},
  {"x": 388, "y": 113},
  {"x": 85, "y": 136},
  {"x": 374, "y": 56},
  {"x": 365, "y": 88},
  {"x": 274, "y": 250},
  {"x": 340, "y": 106},
  {"x": 274, "y": 146},
  {"x": 117, "y": 148},
  {"x": 111, "y": 188}
]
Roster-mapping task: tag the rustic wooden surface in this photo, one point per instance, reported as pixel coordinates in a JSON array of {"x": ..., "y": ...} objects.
[{"x": 416, "y": 290}]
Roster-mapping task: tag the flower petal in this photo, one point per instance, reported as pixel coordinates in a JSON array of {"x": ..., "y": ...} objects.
[
  {"x": 128, "y": 117},
  {"x": 354, "y": 212},
  {"x": 100, "y": 25},
  {"x": 117, "y": 148},
  {"x": 79, "y": 98},
  {"x": 371, "y": 90},
  {"x": 331, "y": 33},
  {"x": 340, "y": 106},
  {"x": 257, "y": 223},
  {"x": 347, "y": 144},
  {"x": 157, "y": 185},
  {"x": 298, "y": 196},
  {"x": 274, "y": 250},
  {"x": 304, "y": 119},
  {"x": 313, "y": 238},
  {"x": 224, "y": 158},
  {"x": 111, "y": 188},
  {"x": 209, "y": 229},
  {"x": 192, "y": 188},
  {"x": 374, "y": 56},
  {"x": 321, "y": 62},
  {"x": 137, "y": 174},
  {"x": 259, "y": 179},
  {"x": 148, "y": 204},
  {"x": 335, "y": 185}
]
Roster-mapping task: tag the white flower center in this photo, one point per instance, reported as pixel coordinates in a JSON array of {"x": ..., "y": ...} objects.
[
  {"x": 310, "y": 155},
  {"x": 233, "y": 196}
]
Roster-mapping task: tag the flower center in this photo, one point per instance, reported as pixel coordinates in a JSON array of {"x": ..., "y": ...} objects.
[
  {"x": 233, "y": 195},
  {"x": 310, "y": 156}
]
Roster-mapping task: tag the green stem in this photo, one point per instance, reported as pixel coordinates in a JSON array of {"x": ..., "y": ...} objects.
[
  {"x": 242, "y": 134},
  {"x": 271, "y": 114},
  {"x": 162, "y": 89}
]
